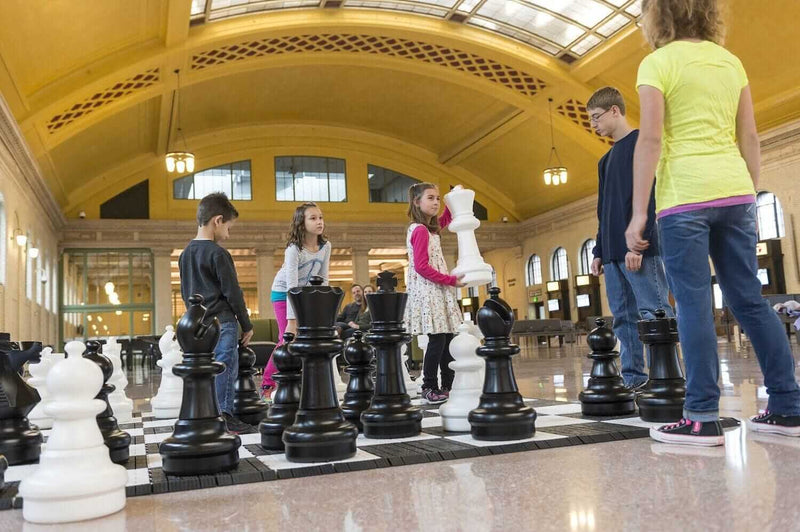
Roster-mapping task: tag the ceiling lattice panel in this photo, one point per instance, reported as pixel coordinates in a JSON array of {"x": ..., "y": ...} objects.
[{"x": 576, "y": 111}]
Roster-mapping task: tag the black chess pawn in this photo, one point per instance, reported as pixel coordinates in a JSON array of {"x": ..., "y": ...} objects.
[
  {"x": 390, "y": 414},
  {"x": 247, "y": 405},
  {"x": 501, "y": 413},
  {"x": 200, "y": 443},
  {"x": 360, "y": 388},
  {"x": 285, "y": 398},
  {"x": 605, "y": 395},
  {"x": 319, "y": 433},
  {"x": 117, "y": 441},
  {"x": 663, "y": 397},
  {"x": 20, "y": 441}
]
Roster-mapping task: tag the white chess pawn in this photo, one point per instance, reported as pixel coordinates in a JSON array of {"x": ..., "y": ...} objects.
[
  {"x": 467, "y": 385},
  {"x": 341, "y": 387},
  {"x": 167, "y": 401},
  {"x": 38, "y": 380},
  {"x": 76, "y": 479},
  {"x": 411, "y": 386},
  {"x": 470, "y": 262},
  {"x": 475, "y": 331},
  {"x": 120, "y": 404},
  {"x": 422, "y": 343}
]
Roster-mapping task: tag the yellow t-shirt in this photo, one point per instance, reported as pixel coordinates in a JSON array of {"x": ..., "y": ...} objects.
[{"x": 700, "y": 161}]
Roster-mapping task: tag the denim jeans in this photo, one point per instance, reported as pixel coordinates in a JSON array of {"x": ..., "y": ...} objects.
[
  {"x": 728, "y": 235},
  {"x": 227, "y": 352},
  {"x": 633, "y": 296}
]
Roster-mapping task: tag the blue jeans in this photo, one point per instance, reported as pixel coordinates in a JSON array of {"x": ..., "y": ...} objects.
[
  {"x": 227, "y": 352},
  {"x": 728, "y": 235},
  {"x": 633, "y": 296}
]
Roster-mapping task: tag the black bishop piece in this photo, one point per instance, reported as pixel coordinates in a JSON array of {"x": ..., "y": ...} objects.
[
  {"x": 285, "y": 398},
  {"x": 320, "y": 433},
  {"x": 501, "y": 413},
  {"x": 663, "y": 396},
  {"x": 200, "y": 443},
  {"x": 390, "y": 414},
  {"x": 605, "y": 395},
  {"x": 117, "y": 440},
  {"x": 247, "y": 405},
  {"x": 20, "y": 441}
]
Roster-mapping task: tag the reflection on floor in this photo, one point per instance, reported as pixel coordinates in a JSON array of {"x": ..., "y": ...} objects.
[{"x": 749, "y": 484}]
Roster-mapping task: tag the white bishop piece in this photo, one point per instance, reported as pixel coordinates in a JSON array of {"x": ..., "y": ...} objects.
[
  {"x": 38, "y": 380},
  {"x": 468, "y": 382},
  {"x": 470, "y": 262},
  {"x": 411, "y": 386},
  {"x": 76, "y": 479},
  {"x": 167, "y": 401},
  {"x": 120, "y": 404}
]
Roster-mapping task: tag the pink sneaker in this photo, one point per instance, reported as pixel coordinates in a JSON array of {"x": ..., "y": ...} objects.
[{"x": 433, "y": 397}]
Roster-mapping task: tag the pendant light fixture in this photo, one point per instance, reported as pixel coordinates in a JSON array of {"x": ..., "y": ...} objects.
[
  {"x": 178, "y": 161},
  {"x": 554, "y": 175}
]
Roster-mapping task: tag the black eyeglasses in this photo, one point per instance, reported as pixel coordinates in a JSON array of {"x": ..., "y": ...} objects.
[{"x": 595, "y": 118}]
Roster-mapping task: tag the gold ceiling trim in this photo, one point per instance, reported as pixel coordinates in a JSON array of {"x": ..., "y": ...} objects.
[
  {"x": 102, "y": 98},
  {"x": 576, "y": 111},
  {"x": 435, "y": 54}
]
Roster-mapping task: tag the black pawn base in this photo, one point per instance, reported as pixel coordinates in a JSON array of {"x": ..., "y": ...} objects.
[
  {"x": 271, "y": 429},
  {"x": 20, "y": 441},
  {"x": 603, "y": 408},
  {"x": 314, "y": 438},
  {"x": 501, "y": 417},
  {"x": 662, "y": 400},
  {"x": 200, "y": 447},
  {"x": 389, "y": 418}
]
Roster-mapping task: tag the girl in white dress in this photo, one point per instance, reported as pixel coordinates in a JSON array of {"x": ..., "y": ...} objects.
[{"x": 432, "y": 306}]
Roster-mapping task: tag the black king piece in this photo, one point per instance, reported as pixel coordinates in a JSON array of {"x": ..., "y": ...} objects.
[
  {"x": 200, "y": 443},
  {"x": 390, "y": 414},
  {"x": 663, "y": 397},
  {"x": 319, "y": 433},
  {"x": 501, "y": 413}
]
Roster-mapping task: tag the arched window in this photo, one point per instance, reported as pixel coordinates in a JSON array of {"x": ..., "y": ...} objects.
[
  {"x": 233, "y": 179},
  {"x": 533, "y": 274},
  {"x": 388, "y": 186},
  {"x": 586, "y": 257},
  {"x": 559, "y": 265},
  {"x": 770, "y": 216},
  {"x": 3, "y": 240}
]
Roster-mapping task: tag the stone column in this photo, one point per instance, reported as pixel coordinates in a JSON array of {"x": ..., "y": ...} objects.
[
  {"x": 162, "y": 286},
  {"x": 265, "y": 274},
  {"x": 360, "y": 258}
]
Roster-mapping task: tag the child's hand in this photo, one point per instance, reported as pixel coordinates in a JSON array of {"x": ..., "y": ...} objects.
[
  {"x": 246, "y": 337},
  {"x": 633, "y": 235},
  {"x": 460, "y": 282}
]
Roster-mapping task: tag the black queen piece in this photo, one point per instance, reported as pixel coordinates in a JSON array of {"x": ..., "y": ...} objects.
[{"x": 320, "y": 432}]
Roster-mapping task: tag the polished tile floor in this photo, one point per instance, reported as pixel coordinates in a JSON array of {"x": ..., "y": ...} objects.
[{"x": 749, "y": 484}]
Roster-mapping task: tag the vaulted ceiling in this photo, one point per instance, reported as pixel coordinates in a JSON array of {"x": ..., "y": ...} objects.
[{"x": 465, "y": 81}]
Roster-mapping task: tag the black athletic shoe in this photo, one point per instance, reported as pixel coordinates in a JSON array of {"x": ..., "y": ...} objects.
[
  {"x": 688, "y": 432},
  {"x": 238, "y": 426},
  {"x": 775, "y": 424}
]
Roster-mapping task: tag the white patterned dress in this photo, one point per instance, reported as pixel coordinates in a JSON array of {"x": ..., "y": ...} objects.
[{"x": 432, "y": 308}]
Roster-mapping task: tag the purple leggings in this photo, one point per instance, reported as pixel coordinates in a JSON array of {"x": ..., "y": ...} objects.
[{"x": 280, "y": 314}]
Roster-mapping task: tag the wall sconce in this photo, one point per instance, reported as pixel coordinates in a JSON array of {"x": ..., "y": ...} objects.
[
  {"x": 33, "y": 252},
  {"x": 19, "y": 236},
  {"x": 43, "y": 276}
]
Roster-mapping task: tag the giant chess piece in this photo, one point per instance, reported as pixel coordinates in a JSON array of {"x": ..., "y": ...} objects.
[
  {"x": 605, "y": 394},
  {"x": 200, "y": 443},
  {"x": 663, "y": 396},
  {"x": 247, "y": 405},
  {"x": 120, "y": 404},
  {"x": 470, "y": 262},
  {"x": 167, "y": 401},
  {"x": 501, "y": 413},
  {"x": 320, "y": 433},
  {"x": 465, "y": 395},
  {"x": 411, "y": 384},
  {"x": 285, "y": 399},
  {"x": 476, "y": 332},
  {"x": 117, "y": 441},
  {"x": 338, "y": 383},
  {"x": 390, "y": 415},
  {"x": 360, "y": 388},
  {"x": 20, "y": 441},
  {"x": 3, "y": 468},
  {"x": 38, "y": 378},
  {"x": 76, "y": 479}
]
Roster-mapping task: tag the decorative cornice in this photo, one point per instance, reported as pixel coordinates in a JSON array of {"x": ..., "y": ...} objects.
[{"x": 577, "y": 211}]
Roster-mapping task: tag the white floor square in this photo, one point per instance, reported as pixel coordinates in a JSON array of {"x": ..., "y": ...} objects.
[
  {"x": 365, "y": 442},
  {"x": 428, "y": 422},
  {"x": 137, "y": 449},
  {"x": 159, "y": 423},
  {"x": 250, "y": 439},
  {"x": 469, "y": 440},
  {"x": 156, "y": 438},
  {"x": 568, "y": 408},
  {"x": 137, "y": 477},
  {"x": 279, "y": 461},
  {"x": 154, "y": 460},
  {"x": 636, "y": 422},
  {"x": 135, "y": 432},
  {"x": 558, "y": 421}
]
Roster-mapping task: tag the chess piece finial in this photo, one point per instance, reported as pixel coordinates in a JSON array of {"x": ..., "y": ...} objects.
[{"x": 195, "y": 333}]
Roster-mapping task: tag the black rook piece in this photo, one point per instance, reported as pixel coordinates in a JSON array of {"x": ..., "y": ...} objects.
[
  {"x": 390, "y": 414},
  {"x": 663, "y": 397},
  {"x": 117, "y": 441},
  {"x": 358, "y": 396},
  {"x": 285, "y": 399},
  {"x": 247, "y": 405},
  {"x": 501, "y": 412},
  {"x": 20, "y": 441},
  {"x": 200, "y": 443},
  {"x": 606, "y": 394},
  {"x": 320, "y": 433}
]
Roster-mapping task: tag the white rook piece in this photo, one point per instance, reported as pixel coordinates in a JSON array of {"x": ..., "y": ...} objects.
[
  {"x": 38, "y": 380},
  {"x": 120, "y": 404},
  {"x": 167, "y": 401},
  {"x": 470, "y": 262},
  {"x": 468, "y": 382},
  {"x": 76, "y": 479}
]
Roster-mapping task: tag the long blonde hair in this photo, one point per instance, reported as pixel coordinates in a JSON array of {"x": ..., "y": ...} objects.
[{"x": 664, "y": 21}]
